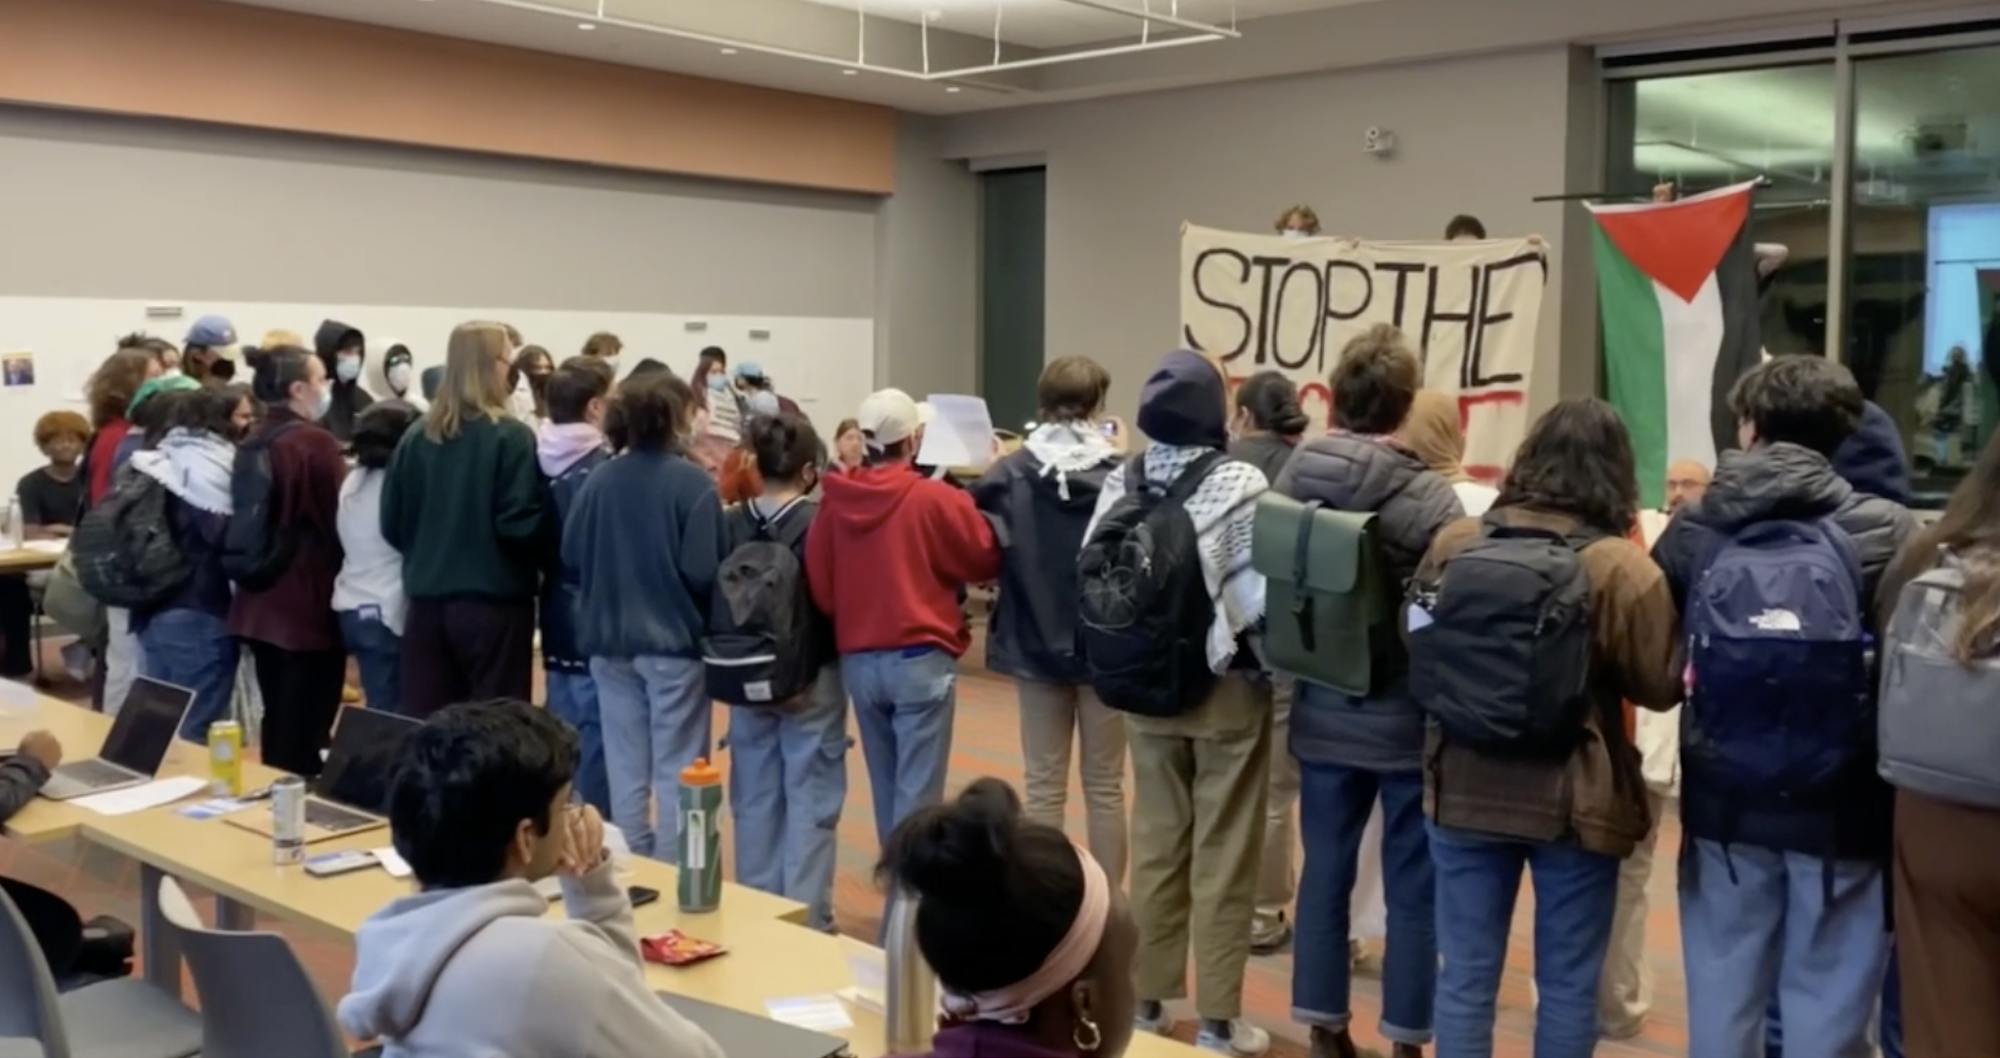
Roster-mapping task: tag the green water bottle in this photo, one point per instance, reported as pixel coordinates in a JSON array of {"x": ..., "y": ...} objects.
[{"x": 701, "y": 836}]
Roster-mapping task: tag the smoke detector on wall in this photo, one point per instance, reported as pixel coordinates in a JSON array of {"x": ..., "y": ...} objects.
[{"x": 1378, "y": 141}]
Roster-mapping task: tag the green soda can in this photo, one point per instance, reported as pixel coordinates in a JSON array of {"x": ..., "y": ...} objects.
[{"x": 701, "y": 837}]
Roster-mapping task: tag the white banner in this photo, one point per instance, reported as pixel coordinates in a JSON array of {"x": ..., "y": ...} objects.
[{"x": 1263, "y": 302}]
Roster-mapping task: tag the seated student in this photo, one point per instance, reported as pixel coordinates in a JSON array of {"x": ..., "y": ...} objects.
[
  {"x": 1199, "y": 777},
  {"x": 1030, "y": 937},
  {"x": 645, "y": 537},
  {"x": 58, "y": 929},
  {"x": 368, "y": 593},
  {"x": 568, "y": 447},
  {"x": 1947, "y": 851},
  {"x": 889, "y": 552},
  {"x": 788, "y": 773},
  {"x": 1569, "y": 817},
  {"x": 186, "y": 636},
  {"x": 1781, "y": 891},
  {"x": 1356, "y": 751},
  {"x": 1044, "y": 495},
  {"x": 473, "y": 965},
  {"x": 51, "y": 498}
]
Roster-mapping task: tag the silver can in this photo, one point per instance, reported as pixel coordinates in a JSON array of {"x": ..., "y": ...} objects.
[{"x": 288, "y": 820}]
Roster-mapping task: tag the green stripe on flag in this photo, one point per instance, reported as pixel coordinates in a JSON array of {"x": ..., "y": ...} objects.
[{"x": 1635, "y": 361}]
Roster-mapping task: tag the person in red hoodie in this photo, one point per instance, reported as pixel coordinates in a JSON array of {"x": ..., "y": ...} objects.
[
  {"x": 289, "y": 624},
  {"x": 887, "y": 557}
]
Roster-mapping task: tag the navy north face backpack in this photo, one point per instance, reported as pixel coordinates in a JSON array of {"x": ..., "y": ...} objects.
[{"x": 1780, "y": 702}]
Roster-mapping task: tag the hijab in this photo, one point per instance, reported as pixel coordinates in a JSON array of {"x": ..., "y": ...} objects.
[{"x": 1432, "y": 431}]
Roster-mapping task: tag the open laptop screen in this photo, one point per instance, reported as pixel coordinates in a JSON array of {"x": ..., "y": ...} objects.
[
  {"x": 145, "y": 727},
  {"x": 366, "y": 746}
]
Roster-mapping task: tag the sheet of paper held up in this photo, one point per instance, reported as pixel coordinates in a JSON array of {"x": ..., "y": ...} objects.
[
  {"x": 139, "y": 798},
  {"x": 960, "y": 433}
]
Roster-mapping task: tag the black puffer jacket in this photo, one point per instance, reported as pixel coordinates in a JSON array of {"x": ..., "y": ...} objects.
[
  {"x": 1349, "y": 472},
  {"x": 1786, "y": 481}
]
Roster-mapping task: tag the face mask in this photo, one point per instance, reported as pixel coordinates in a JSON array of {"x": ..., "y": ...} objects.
[
  {"x": 612, "y": 363},
  {"x": 1295, "y": 233},
  {"x": 325, "y": 402},
  {"x": 347, "y": 368},
  {"x": 399, "y": 377}
]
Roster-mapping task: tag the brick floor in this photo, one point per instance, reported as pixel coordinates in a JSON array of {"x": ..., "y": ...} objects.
[{"x": 986, "y": 742}]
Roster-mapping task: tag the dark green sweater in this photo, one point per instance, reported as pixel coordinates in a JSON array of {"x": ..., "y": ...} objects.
[{"x": 471, "y": 515}]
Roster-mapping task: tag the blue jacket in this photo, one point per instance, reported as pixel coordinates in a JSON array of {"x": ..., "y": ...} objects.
[
  {"x": 562, "y": 591},
  {"x": 645, "y": 538}
]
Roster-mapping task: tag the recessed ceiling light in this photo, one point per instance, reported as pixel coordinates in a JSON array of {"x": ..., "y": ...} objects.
[
  {"x": 951, "y": 88},
  {"x": 850, "y": 72},
  {"x": 586, "y": 26},
  {"x": 729, "y": 51}
]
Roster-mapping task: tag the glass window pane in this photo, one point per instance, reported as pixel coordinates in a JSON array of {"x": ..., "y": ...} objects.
[{"x": 1925, "y": 339}]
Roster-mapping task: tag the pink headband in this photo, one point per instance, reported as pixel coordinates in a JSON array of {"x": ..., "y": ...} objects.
[{"x": 1010, "y": 1004}]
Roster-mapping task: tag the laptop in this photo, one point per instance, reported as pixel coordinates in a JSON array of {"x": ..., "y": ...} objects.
[
  {"x": 738, "y": 1033},
  {"x": 135, "y": 748},
  {"x": 352, "y": 792}
]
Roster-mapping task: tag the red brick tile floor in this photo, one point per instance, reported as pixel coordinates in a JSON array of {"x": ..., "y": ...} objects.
[{"x": 985, "y": 742}]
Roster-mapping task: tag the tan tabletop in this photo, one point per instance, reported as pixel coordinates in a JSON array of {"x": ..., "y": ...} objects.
[
  {"x": 27, "y": 559},
  {"x": 81, "y": 732}
]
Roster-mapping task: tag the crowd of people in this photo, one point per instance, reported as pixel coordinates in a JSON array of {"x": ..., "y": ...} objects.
[{"x": 675, "y": 542}]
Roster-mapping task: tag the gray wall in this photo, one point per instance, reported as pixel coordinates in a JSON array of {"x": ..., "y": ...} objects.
[
  {"x": 926, "y": 300},
  {"x": 108, "y": 207},
  {"x": 1477, "y": 135}
]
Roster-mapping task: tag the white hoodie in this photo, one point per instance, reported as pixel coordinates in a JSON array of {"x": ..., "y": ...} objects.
[{"x": 480, "y": 973}]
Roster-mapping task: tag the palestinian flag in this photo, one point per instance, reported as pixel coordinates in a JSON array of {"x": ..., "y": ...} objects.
[{"x": 1677, "y": 284}]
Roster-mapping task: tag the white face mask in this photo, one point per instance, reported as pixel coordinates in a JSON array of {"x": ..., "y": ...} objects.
[
  {"x": 399, "y": 377},
  {"x": 325, "y": 402},
  {"x": 612, "y": 363},
  {"x": 1296, "y": 233},
  {"x": 347, "y": 368}
]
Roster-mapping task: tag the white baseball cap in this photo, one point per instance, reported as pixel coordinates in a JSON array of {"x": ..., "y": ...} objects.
[{"x": 888, "y": 416}]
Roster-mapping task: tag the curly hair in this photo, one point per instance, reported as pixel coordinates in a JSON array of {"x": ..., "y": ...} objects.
[{"x": 60, "y": 423}]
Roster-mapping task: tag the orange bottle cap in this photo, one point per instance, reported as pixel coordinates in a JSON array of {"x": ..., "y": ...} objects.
[{"x": 701, "y": 773}]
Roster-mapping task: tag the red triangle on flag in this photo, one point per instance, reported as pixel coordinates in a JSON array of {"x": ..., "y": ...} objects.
[{"x": 1678, "y": 244}]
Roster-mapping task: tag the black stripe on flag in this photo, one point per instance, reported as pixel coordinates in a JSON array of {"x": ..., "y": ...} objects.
[{"x": 1742, "y": 332}]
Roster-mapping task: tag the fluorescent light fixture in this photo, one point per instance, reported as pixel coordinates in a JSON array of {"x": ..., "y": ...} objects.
[
  {"x": 729, "y": 51},
  {"x": 586, "y": 26},
  {"x": 952, "y": 88},
  {"x": 850, "y": 71}
]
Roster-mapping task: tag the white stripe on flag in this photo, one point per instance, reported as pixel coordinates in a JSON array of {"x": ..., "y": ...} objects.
[{"x": 1692, "y": 340}]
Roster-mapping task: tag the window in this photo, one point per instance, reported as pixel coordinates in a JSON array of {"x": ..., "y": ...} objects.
[
  {"x": 1919, "y": 248},
  {"x": 1925, "y": 337}
]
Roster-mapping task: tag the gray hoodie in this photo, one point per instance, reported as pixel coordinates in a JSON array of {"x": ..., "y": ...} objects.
[{"x": 481, "y": 973}]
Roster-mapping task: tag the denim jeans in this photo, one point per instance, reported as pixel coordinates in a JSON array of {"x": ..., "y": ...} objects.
[
  {"x": 1576, "y": 891},
  {"x": 655, "y": 715},
  {"x": 1756, "y": 923},
  {"x": 1334, "y": 805},
  {"x": 379, "y": 652},
  {"x": 573, "y": 697},
  {"x": 192, "y": 649},
  {"x": 904, "y": 701},
  {"x": 787, "y": 783}
]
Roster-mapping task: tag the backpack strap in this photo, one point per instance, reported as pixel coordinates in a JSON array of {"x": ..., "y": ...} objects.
[{"x": 1302, "y": 611}]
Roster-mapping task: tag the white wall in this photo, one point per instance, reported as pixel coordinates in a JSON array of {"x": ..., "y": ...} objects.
[{"x": 1477, "y": 135}]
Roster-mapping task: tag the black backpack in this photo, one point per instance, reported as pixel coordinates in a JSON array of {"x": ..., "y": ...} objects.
[
  {"x": 1143, "y": 610},
  {"x": 124, "y": 549},
  {"x": 254, "y": 551},
  {"x": 762, "y": 646},
  {"x": 1500, "y": 643}
]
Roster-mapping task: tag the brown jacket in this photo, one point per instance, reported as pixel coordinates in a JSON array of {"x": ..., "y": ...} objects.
[{"x": 1596, "y": 796}]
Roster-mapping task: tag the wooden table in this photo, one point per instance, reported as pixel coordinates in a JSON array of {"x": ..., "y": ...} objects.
[
  {"x": 27, "y": 559},
  {"x": 772, "y": 954}
]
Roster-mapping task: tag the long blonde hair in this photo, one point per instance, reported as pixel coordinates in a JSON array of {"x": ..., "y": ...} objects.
[{"x": 471, "y": 387}]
